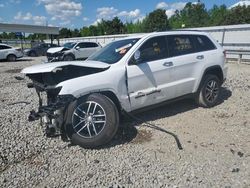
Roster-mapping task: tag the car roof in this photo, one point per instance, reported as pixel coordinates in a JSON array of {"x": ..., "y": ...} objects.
[{"x": 172, "y": 32}]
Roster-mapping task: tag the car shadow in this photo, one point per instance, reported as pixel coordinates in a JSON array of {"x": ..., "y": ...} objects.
[{"x": 25, "y": 59}]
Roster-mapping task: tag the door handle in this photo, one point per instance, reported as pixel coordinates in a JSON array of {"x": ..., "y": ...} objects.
[
  {"x": 168, "y": 64},
  {"x": 200, "y": 57}
]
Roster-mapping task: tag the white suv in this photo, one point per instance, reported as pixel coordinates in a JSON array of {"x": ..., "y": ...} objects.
[
  {"x": 85, "y": 99},
  {"x": 10, "y": 53},
  {"x": 72, "y": 51}
]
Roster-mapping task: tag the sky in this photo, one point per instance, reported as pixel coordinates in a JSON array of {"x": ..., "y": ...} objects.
[{"x": 79, "y": 13}]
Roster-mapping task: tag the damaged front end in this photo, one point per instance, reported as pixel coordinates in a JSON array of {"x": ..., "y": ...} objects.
[
  {"x": 51, "y": 108},
  {"x": 53, "y": 105}
]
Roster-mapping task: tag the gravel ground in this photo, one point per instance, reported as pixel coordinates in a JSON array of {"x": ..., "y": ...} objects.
[{"x": 215, "y": 142}]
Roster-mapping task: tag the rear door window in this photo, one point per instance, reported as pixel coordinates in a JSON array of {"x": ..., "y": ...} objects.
[
  {"x": 180, "y": 45},
  {"x": 91, "y": 45}
]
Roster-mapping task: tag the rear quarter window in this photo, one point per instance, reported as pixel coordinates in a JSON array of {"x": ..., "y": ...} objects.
[{"x": 203, "y": 43}]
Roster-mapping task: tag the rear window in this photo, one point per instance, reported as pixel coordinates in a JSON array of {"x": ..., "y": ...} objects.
[{"x": 203, "y": 43}]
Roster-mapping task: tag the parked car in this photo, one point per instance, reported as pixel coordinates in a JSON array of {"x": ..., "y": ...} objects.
[
  {"x": 39, "y": 50},
  {"x": 10, "y": 53},
  {"x": 85, "y": 98},
  {"x": 72, "y": 51}
]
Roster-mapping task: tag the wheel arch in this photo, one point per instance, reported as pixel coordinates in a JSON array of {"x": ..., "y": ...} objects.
[
  {"x": 112, "y": 96},
  {"x": 214, "y": 70},
  {"x": 10, "y": 55},
  {"x": 69, "y": 54}
]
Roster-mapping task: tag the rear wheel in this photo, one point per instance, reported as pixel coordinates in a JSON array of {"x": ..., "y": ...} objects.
[
  {"x": 92, "y": 121},
  {"x": 209, "y": 92},
  {"x": 11, "y": 57}
]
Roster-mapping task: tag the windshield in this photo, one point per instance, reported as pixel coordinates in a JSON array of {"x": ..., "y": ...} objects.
[
  {"x": 114, "y": 51},
  {"x": 69, "y": 45}
]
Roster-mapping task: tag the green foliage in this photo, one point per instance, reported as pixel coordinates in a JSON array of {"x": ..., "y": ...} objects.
[
  {"x": 238, "y": 15},
  {"x": 156, "y": 21},
  {"x": 218, "y": 15},
  {"x": 193, "y": 15}
]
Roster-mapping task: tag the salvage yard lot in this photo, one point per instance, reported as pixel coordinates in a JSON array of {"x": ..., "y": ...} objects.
[{"x": 215, "y": 142}]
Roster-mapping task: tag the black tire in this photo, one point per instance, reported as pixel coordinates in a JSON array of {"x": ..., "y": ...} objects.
[
  {"x": 209, "y": 91},
  {"x": 96, "y": 133},
  {"x": 68, "y": 58},
  {"x": 11, "y": 58},
  {"x": 33, "y": 54}
]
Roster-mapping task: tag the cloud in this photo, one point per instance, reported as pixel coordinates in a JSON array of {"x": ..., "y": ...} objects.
[
  {"x": 25, "y": 17},
  {"x": 106, "y": 13},
  {"x": 85, "y": 19},
  {"x": 37, "y": 20},
  {"x": 171, "y": 7},
  {"x": 161, "y": 5},
  {"x": 1, "y": 19},
  {"x": 63, "y": 10},
  {"x": 1, "y": 5},
  {"x": 131, "y": 14},
  {"x": 95, "y": 23}
]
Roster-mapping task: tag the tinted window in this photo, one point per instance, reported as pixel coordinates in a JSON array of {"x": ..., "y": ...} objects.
[
  {"x": 91, "y": 45},
  {"x": 153, "y": 49},
  {"x": 3, "y": 47},
  {"x": 180, "y": 45},
  {"x": 203, "y": 43},
  {"x": 82, "y": 45},
  {"x": 87, "y": 45}
]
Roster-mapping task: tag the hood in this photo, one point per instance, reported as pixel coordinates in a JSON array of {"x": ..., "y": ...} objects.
[
  {"x": 55, "y": 49},
  {"x": 27, "y": 50},
  {"x": 53, "y": 67}
]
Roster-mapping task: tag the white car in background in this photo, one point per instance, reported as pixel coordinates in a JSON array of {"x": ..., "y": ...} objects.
[
  {"x": 72, "y": 51},
  {"x": 10, "y": 53}
]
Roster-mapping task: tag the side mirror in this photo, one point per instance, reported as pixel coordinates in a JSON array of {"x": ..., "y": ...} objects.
[
  {"x": 136, "y": 58},
  {"x": 78, "y": 47}
]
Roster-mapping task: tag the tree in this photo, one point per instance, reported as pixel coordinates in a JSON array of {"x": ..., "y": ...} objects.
[
  {"x": 93, "y": 30},
  {"x": 75, "y": 33},
  {"x": 218, "y": 15},
  {"x": 156, "y": 21},
  {"x": 65, "y": 33},
  {"x": 238, "y": 15},
  {"x": 193, "y": 15},
  {"x": 85, "y": 32}
]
